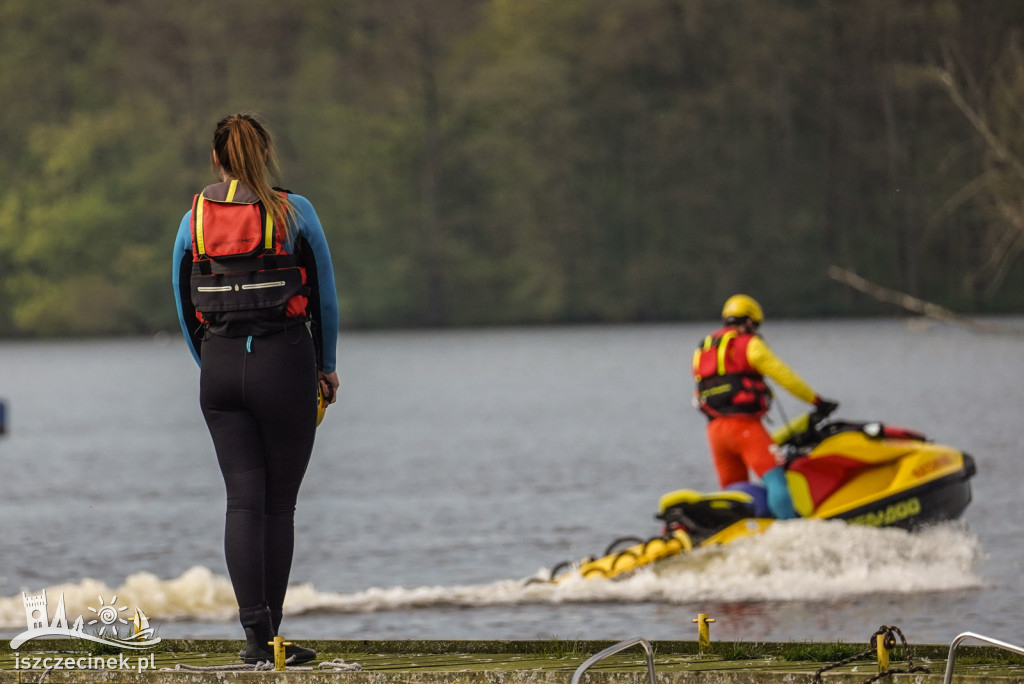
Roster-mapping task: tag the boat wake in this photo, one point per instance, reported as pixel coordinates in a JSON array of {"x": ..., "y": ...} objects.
[{"x": 806, "y": 560}]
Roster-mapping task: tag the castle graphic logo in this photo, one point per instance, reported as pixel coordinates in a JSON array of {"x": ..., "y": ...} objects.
[{"x": 103, "y": 628}]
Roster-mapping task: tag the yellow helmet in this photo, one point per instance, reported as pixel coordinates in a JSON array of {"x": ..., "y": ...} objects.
[
  {"x": 321, "y": 405},
  {"x": 742, "y": 306}
]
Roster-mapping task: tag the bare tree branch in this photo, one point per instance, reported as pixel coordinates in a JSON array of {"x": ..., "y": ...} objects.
[
  {"x": 906, "y": 301},
  {"x": 991, "y": 139},
  {"x": 995, "y": 144}
]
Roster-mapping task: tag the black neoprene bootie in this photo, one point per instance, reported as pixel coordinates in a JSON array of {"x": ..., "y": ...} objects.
[
  {"x": 293, "y": 654},
  {"x": 258, "y": 633}
]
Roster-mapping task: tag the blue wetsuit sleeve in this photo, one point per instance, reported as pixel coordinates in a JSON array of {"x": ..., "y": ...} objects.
[
  {"x": 327, "y": 317},
  {"x": 182, "y": 260}
]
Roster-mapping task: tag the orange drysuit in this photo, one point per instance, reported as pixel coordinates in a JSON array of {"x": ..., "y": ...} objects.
[{"x": 730, "y": 367}]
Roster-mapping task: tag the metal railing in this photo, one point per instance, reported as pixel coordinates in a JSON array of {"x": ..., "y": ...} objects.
[
  {"x": 971, "y": 635},
  {"x": 612, "y": 650}
]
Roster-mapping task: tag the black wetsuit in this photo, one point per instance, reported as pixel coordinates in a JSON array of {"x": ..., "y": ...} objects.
[{"x": 263, "y": 441}]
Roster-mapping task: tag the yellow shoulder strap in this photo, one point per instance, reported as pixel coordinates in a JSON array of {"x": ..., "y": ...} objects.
[
  {"x": 200, "y": 244},
  {"x": 697, "y": 354},
  {"x": 268, "y": 232},
  {"x": 723, "y": 344}
]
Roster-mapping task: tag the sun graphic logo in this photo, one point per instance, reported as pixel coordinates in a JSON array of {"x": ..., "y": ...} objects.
[
  {"x": 141, "y": 635},
  {"x": 107, "y": 616}
]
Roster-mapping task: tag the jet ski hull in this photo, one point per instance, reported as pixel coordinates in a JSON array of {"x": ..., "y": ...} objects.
[{"x": 937, "y": 501}]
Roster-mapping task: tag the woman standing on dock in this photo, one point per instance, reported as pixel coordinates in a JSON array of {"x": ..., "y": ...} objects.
[{"x": 258, "y": 308}]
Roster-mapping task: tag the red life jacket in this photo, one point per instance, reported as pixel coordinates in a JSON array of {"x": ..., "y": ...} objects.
[
  {"x": 241, "y": 272},
  {"x": 726, "y": 382}
]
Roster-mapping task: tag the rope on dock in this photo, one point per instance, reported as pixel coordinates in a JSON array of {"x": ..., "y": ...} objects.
[
  {"x": 337, "y": 665},
  {"x": 889, "y": 635},
  {"x": 340, "y": 665},
  {"x": 240, "y": 667}
]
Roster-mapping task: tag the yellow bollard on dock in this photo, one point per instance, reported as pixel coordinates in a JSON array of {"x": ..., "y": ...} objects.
[
  {"x": 279, "y": 656},
  {"x": 703, "y": 632},
  {"x": 883, "y": 653}
]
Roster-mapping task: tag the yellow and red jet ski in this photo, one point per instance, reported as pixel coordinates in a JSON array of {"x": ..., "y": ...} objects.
[{"x": 866, "y": 473}]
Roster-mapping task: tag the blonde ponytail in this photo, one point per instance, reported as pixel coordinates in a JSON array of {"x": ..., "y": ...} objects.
[{"x": 245, "y": 151}]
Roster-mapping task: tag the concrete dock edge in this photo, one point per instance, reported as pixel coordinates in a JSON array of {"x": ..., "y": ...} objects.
[{"x": 495, "y": 662}]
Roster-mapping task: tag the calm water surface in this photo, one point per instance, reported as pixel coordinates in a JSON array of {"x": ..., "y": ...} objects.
[{"x": 456, "y": 464}]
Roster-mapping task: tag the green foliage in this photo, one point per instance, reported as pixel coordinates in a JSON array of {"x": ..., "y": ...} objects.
[
  {"x": 489, "y": 162},
  {"x": 85, "y": 245}
]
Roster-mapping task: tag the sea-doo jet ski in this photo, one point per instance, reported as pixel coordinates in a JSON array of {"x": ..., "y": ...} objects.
[{"x": 867, "y": 473}]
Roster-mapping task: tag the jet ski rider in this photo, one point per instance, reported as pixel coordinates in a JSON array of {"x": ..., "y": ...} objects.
[{"x": 730, "y": 368}]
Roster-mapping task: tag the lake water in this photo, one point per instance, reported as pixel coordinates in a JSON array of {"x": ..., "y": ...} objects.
[{"x": 456, "y": 464}]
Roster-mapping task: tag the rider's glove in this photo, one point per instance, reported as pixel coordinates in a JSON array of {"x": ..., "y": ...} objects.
[{"x": 825, "y": 406}]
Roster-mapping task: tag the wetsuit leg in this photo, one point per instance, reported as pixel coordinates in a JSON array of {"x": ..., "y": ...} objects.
[
  {"x": 725, "y": 452},
  {"x": 758, "y": 449},
  {"x": 761, "y": 455},
  {"x": 739, "y": 443},
  {"x": 288, "y": 418},
  {"x": 258, "y": 398}
]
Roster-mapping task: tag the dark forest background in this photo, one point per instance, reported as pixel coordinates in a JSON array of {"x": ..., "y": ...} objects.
[{"x": 495, "y": 162}]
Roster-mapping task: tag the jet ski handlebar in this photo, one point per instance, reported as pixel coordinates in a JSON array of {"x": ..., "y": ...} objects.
[{"x": 805, "y": 428}]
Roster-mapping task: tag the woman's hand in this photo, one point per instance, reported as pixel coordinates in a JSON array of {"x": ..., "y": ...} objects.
[{"x": 329, "y": 384}]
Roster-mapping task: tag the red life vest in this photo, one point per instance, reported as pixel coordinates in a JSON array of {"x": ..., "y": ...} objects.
[
  {"x": 240, "y": 269},
  {"x": 726, "y": 382}
]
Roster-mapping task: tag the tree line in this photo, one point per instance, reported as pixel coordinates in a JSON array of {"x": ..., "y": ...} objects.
[{"x": 496, "y": 162}]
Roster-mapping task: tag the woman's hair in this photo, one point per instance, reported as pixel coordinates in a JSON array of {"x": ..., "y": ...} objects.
[{"x": 245, "y": 151}]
